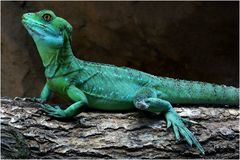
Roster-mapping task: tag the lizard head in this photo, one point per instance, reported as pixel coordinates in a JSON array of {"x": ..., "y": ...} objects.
[{"x": 47, "y": 29}]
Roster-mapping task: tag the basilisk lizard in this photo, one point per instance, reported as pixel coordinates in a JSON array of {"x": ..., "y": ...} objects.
[{"x": 108, "y": 87}]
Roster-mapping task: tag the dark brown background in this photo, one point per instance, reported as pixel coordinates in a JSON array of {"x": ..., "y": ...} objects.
[{"x": 186, "y": 40}]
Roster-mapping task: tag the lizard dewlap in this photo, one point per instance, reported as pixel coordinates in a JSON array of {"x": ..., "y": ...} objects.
[{"x": 108, "y": 87}]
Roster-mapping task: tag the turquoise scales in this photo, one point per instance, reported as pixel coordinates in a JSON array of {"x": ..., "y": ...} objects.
[
  {"x": 173, "y": 90},
  {"x": 108, "y": 87}
]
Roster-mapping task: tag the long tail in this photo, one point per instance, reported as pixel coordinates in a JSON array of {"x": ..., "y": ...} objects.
[{"x": 194, "y": 92}]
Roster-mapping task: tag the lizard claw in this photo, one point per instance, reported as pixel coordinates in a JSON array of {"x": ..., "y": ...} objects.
[
  {"x": 30, "y": 99},
  {"x": 21, "y": 99},
  {"x": 168, "y": 123},
  {"x": 188, "y": 121},
  {"x": 191, "y": 122},
  {"x": 17, "y": 98}
]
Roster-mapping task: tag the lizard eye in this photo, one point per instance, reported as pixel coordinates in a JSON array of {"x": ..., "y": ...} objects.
[{"x": 47, "y": 17}]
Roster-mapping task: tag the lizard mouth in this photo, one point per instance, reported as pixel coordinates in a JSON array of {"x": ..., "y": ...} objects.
[
  {"x": 30, "y": 27},
  {"x": 33, "y": 31},
  {"x": 38, "y": 29}
]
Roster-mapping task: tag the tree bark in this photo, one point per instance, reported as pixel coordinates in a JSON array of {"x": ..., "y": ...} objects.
[{"x": 28, "y": 133}]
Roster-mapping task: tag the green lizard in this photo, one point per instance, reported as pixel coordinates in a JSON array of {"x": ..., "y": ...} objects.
[{"x": 108, "y": 87}]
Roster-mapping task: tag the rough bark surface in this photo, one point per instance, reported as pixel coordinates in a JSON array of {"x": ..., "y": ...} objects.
[{"x": 114, "y": 135}]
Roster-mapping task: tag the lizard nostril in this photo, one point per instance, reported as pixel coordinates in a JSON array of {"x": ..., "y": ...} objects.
[{"x": 25, "y": 15}]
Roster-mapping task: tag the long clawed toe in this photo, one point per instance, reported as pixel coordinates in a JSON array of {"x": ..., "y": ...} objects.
[
  {"x": 189, "y": 122},
  {"x": 54, "y": 111},
  {"x": 176, "y": 132},
  {"x": 22, "y": 99},
  {"x": 179, "y": 128},
  {"x": 29, "y": 99}
]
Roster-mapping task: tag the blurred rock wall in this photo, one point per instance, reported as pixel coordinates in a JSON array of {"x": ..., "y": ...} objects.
[{"x": 186, "y": 40}]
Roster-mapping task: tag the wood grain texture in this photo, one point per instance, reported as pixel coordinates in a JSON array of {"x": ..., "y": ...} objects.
[{"x": 114, "y": 135}]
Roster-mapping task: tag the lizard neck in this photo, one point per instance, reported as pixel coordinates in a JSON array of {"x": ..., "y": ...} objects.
[
  {"x": 65, "y": 54},
  {"x": 55, "y": 56}
]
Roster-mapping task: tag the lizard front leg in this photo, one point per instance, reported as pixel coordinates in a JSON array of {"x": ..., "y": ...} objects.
[
  {"x": 44, "y": 96},
  {"x": 75, "y": 95},
  {"x": 147, "y": 99}
]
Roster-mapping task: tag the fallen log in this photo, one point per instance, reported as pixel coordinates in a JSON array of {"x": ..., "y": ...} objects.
[{"x": 28, "y": 133}]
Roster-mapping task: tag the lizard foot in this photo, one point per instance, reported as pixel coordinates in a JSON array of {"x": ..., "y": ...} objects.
[
  {"x": 29, "y": 99},
  {"x": 174, "y": 120},
  {"x": 54, "y": 111}
]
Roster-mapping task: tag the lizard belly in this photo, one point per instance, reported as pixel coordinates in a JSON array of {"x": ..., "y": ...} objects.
[
  {"x": 108, "y": 91},
  {"x": 108, "y": 104},
  {"x": 109, "y": 98}
]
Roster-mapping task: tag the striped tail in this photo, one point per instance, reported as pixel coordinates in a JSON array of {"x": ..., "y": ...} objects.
[{"x": 194, "y": 92}]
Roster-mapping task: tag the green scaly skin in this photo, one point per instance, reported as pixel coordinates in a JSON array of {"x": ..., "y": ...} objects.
[{"x": 108, "y": 87}]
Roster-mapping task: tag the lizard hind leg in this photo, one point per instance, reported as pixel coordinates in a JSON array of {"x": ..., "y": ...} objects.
[{"x": 146, "y": 99}]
